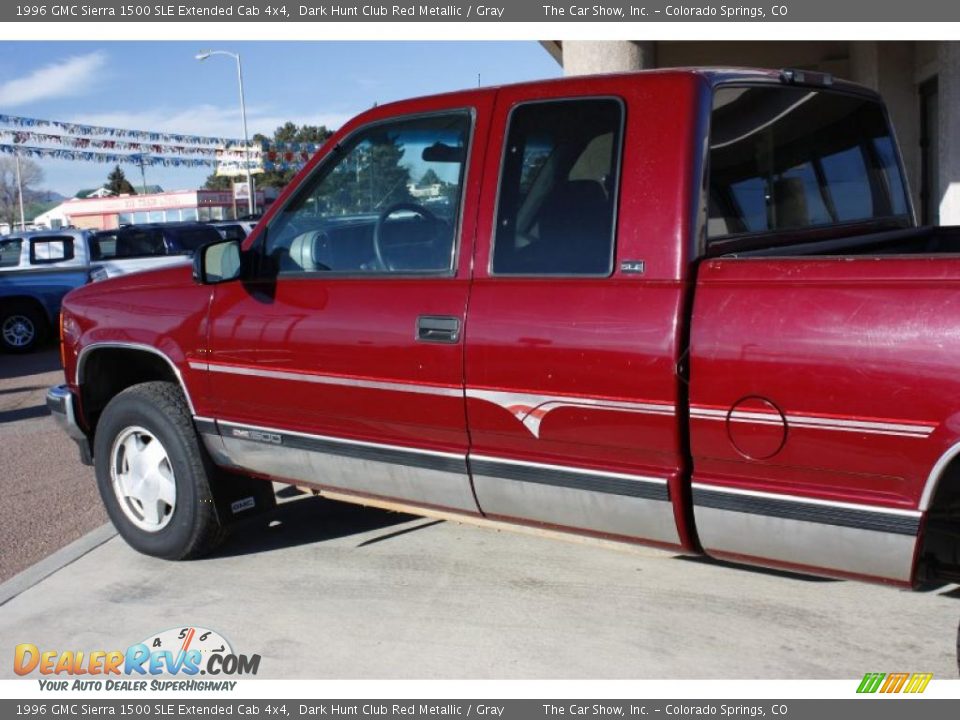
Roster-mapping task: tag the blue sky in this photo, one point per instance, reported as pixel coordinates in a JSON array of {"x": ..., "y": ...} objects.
[{"x": 160, "y": 86}]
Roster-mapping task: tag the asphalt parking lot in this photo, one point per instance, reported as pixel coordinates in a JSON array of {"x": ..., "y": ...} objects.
[
  {"x": 326, "y": 590},
  {"x": 49, "y": 498}
]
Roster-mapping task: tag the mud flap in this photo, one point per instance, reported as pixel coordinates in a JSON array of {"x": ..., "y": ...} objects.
[{"x": 240, "y": 497}]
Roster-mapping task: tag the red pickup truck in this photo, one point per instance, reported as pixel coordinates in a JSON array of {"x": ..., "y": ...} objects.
[{"x": 688, "y": 308}]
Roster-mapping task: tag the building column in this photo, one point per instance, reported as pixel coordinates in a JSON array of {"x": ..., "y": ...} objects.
[
  {"x": 888, "y": 68},
  {"x": 587, "y": 57},
  {"x": 949, "y": 131}
]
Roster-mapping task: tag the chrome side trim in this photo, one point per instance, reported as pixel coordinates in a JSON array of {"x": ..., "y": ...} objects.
[
  {"x": 568, "y": 469},
  {"x": 906, "y": 522},
  {"x": 429, "y": 459},
  {"x": 805, "y": 500},
  {"x": 82, "y": 358},
  {"x": 531, "y": 409},
  {"x": 420, "y": 476},
  {"x": 936, "y": 473},
  {"x": 610, "y": 503},
  {"x": 914, "y": 430},
  {"x": 205, "y": 425},
  {"x": 321, "y": 379}
]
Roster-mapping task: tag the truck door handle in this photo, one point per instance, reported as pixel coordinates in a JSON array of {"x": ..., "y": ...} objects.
[{"x": 438, "y": 329}]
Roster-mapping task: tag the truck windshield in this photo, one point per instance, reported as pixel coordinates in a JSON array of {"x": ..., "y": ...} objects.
[{"x": 788, "y": 159}]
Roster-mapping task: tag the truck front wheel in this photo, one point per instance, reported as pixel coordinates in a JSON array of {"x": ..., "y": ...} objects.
[{"x": 153, "y": 476}]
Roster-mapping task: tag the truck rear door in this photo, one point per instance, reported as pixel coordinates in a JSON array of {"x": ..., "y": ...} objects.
[
  {"x": 572, "y": 331},
  {"x": 805, "y": 434}
]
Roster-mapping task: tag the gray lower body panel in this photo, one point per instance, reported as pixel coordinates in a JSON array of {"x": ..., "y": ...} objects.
[
  {"x": 816, "y": 536},
  {"x": 597, "y": 502},
  {"x": 420, "y": 477}
]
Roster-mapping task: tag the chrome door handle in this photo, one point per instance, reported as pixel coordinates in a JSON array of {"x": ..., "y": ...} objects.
[{"x": 438, "y": 329}]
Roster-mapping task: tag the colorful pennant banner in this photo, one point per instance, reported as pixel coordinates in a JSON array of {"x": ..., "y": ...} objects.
[
  {"x": 131, "y": 158},
  {"x": 90, "y": 156},
  {"x": 69, "y": 128},
  {"x": 22, "y": 137}
]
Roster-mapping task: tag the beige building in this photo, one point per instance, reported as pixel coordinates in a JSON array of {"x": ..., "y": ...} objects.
[
  {"x": 105, "y": 212},
  {"x": 920, "y": 82}
]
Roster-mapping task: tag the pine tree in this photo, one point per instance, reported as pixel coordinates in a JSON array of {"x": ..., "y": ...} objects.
[{"x": 118, "y": 184}]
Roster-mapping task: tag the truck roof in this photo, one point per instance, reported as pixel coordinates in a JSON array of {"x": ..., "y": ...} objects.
[{"x": 712, "y": 76}]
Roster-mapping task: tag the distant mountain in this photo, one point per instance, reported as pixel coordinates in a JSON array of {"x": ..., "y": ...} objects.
[{"x": 43, "y": 196}]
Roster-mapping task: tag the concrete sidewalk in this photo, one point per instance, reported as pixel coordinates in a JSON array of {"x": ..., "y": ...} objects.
[{"x": 338, "y": 591}]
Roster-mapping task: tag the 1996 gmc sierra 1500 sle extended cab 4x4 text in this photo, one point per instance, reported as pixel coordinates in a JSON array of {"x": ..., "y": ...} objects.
[{"x": 688, "y": 308}]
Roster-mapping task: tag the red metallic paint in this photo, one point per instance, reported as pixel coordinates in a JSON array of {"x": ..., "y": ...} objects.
[
  {"x": 356, "y": 327},
  {"x": 848, "y": 338},
  {"x": 616, "y": 337},
  {"x": 822, "y": 337}
]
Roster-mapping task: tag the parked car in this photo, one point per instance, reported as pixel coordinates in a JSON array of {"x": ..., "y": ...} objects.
[
  {"x": 687, "y": 308},
  {"x": 36, "y": 270},
  {"x": 132, "y": 248},
  {"x": 234, "y": 229}
]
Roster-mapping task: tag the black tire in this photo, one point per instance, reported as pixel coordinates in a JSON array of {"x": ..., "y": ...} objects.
[
  {"x": 192, "y": 527},
  {"x": 22, "y": 327}
]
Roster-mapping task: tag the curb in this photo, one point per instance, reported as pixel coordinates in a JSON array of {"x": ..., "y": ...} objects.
[{"x": 37, "y": 572}]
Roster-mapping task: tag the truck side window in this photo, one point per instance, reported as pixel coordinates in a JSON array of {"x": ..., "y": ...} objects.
[
  {"x": 10, "y": 252},
  {"x": 556, "y": 210},
  {"x": 387, "y": 201},
  {"x": 51, "y": 250}
]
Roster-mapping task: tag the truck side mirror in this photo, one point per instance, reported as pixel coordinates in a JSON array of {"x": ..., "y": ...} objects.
[{"x": 217, "y": 262}]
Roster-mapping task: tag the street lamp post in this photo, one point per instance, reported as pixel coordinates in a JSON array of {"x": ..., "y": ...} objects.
[{"x": 203, "y": 55}]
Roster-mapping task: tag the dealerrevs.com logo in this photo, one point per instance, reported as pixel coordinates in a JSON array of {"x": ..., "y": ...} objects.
[{"x": 185, "y": 652}]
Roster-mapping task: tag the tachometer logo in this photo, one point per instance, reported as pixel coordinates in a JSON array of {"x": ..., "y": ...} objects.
[{"x": 185, "y": 651}]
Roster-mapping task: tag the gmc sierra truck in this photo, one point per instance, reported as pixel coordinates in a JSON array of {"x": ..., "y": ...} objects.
[{"x": 686, "y": 308}]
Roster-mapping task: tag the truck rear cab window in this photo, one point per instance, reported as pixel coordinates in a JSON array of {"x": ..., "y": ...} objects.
[
  {"x": 787, "y": 159},
  {"x": 557, "y": 201},
  {"x": 51, "y": 250},
  {"x": 387, "y": 201},
  {"x": 10, "y": 253}
]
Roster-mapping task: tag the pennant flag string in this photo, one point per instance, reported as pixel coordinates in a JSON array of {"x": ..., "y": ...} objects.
[
  {"x": 132, "y": 158},
  {"x": 21, "y": 137},
  {"x": 90, "y": 156},
  {"x": 70, "y": 128}
]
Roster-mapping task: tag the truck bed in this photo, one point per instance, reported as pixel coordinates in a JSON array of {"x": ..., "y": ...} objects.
[{"x": 926, "y": 240}]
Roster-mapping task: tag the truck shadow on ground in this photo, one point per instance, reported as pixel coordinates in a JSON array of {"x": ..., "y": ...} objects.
[
  {"x": 755, "y": 569},
  {"x": 45, "y": 360},
  {"x": 308, "y": 519},
  {"x": 302, "y": 519},
  {"x": 24, "y": 413}
]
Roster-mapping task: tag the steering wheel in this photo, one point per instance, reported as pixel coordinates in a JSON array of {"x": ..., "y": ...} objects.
[{"x": 428, "y": 216}]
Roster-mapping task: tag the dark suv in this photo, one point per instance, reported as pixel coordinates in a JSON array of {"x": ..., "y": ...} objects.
[{"x": 151, "y": 240}]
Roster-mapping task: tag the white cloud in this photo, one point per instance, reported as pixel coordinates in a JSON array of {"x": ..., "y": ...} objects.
[
  {"x": 69, "y": 78},
  {"x": 207, "y": 120}
]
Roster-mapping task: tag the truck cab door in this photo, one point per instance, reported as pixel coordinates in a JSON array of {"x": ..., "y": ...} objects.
[
  {"x": 573, "y": 323},
  {"x": 340, "y": 363}
]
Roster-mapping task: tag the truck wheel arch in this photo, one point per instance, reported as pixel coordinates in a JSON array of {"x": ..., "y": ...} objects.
[
  {"x": 939, "y": 549},
  {"x": 939, "y": 474},
  {"x": 120, "y": 365}
]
